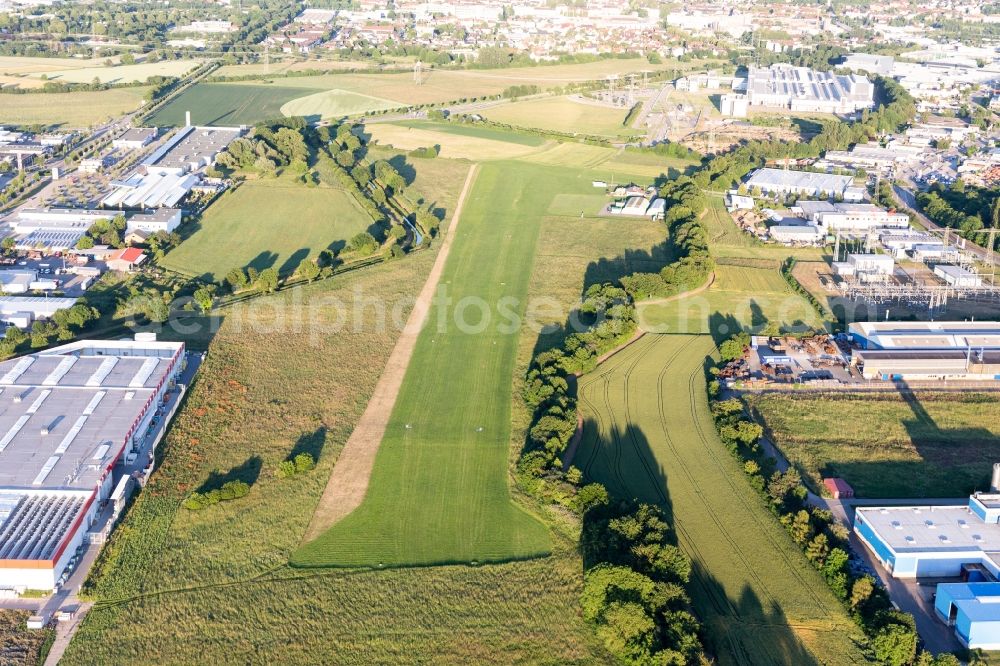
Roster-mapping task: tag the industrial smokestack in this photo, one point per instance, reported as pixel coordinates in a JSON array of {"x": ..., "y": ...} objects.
[
  {"x": 995, "y": 481},
  {"x": 187, "y": 119}
]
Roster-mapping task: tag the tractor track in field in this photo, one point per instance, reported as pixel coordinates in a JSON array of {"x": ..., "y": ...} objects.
[
  {"x": 732, "y": 484},
  {"x": 601, "y": 389},
  {"x": 348, "y": 483}
]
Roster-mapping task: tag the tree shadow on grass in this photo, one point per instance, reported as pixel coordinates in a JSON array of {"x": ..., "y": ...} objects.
[
  {"x": 248, "y": 472},
  {"x": 613, "y": 269},
  {"x": 311, "y": 443},
  {"x": 293, "y": 261},
  {"x": 266, "y": 259},
  {"x": 404, "y": 168},
  {"x": 624, "y": 462}
]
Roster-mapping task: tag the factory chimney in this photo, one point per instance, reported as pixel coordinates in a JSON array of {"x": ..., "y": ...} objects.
[
  {"x": 995, "y": 481},
  {"x": 187, "y": 119}
]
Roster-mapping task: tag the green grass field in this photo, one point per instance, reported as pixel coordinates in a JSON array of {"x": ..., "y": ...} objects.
[
  {"x": 333, "y": 104},
  {"x": 212, "y": 587},
  {"x": 563, "y": 114},
  {"x": 887, "y": 445},
  {"x": 268, "y": 223},
  {"x": 648, "y": 434},
  {"x": 228, "y": 103},
  {"x": 741, "y": 296},
  {"x": 248, "y": 103},
  {"x": 439, "y": 489},
  {"x": 70, "y": 110}
]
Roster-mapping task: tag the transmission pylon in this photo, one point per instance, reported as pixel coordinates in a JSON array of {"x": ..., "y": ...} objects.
[{"x": 418, "y": 70}]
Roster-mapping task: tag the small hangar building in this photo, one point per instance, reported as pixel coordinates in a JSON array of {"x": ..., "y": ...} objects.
[{"x": 72, "y": 420}]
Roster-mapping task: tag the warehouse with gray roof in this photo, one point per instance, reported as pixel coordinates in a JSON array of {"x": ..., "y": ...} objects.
[{"x": 69, "y": 416}]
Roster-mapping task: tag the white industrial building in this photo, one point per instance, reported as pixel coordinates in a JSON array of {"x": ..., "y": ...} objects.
[
  {"x": 933, "y": 541},
  {"x": 874, "y": 157},
  {"x": 135, "y": 138},
  {"x": 805, "y": 234},
  {"x": 901, "y": 242},
  {"x": 803, "y": 89},
  {"x": 935, "y": 252},
  {"x": 59, "y": 229},
  {"x": 957, "y": 276},
  {"x": 734, "y": 105},
  {"x": 160, "y": 219},
  {"x": 865, "y": 267},
  {"x": 851, "y": 216},
  {"x": 72, "y": 418},
  {"x": 736, "y": 201},
  {"x": 22, "y": 310},
  {"x": 808, "y": 183},
  {"x": 17, "y": 282},
  {"x": 52, "y": 229},
  {"x": 870, "y": 63},
  {"x": 925, "y": 334},
  {"x": 167, "y": 175}
]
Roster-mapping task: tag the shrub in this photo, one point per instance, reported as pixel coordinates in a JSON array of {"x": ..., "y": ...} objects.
[
  {"x": 300, "y": 464},
  {"x": 230, "y": 490}
]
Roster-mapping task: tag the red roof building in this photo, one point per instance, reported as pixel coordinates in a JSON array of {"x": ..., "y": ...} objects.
[
  {"x": 838, "y": 488},
  {"x": 126, "y": 259}
]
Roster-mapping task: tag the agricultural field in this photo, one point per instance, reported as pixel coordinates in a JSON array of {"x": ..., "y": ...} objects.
[
  {"x": 237, "y": 103},
  {"x": 119, "y": 73},
  {"x": 275, "y": 68},
  {"x": 31, "y": 65},
  {"x": 486, "y": 144},
  {"x": 70, "y": 110},
  {"x": 334, "y": 104},
  {"x": 439, "y": 489},
  {"x": 474, "y": 131},
  {"x": 740, "y": 296},
  {"x": 268, "y": 223},
  {"x": 453, "y": 145},
  {"x": 722, "y": 230},
  {"x": 228, "y": 103},
  {"x": 648, "y": 433},
  {"x": 20, "y": 646},
  {"x": 923, "y": 444},
  {"x": 563, "y": 114}
]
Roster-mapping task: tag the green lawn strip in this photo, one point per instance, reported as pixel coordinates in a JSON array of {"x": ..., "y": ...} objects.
[
  {"x": 333, "y": 104},
  {"x": 648, "y": 434}
]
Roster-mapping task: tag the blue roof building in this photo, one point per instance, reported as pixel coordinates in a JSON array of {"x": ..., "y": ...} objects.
[{"x": 974, "y": 610}]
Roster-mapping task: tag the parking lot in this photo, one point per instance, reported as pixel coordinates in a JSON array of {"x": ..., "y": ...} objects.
[{"x": 58, "y": 268}]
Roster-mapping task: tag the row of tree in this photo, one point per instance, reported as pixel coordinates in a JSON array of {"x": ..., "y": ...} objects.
[{"x": 685, "y": 203}]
